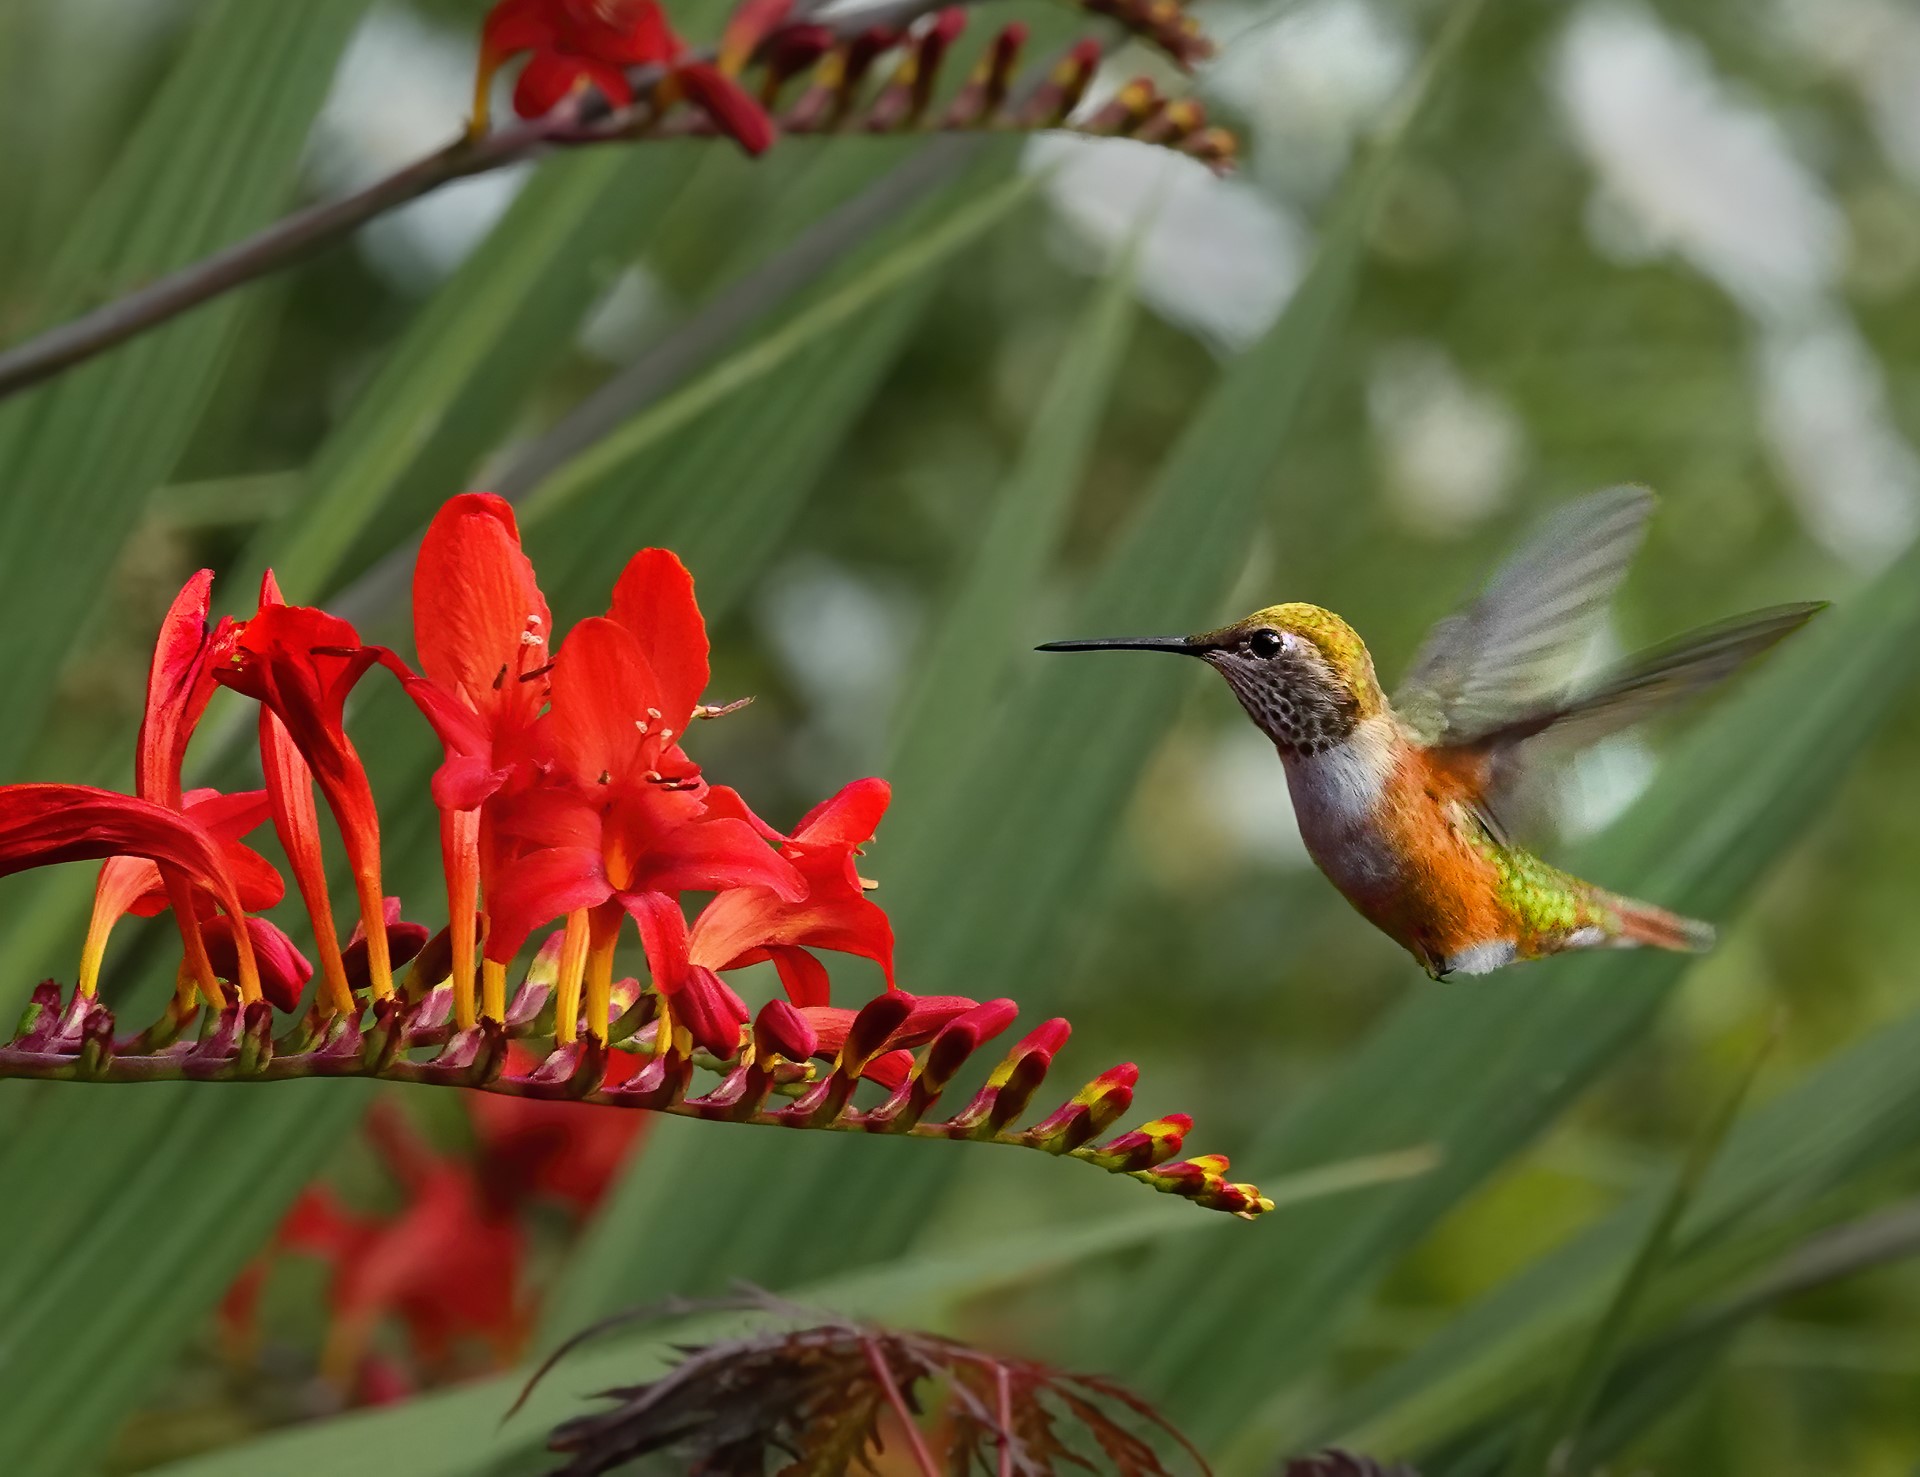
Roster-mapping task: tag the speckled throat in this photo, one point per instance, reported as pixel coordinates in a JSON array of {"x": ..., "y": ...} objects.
[{"x": 1302, "y": 716}]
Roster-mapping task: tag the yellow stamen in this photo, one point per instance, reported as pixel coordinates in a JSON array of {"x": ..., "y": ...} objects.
[
  {"x": 663, "y": 1025},
  {"x": 373, "y": 923},
  {"x": 600, "y": 982},
  {"x": 460, "y": 850},
  {"x": 94, "y": 951},
  {"x": 493, "y": 990},
  {"x": 573, "y": 968},
  {"x": 197, "y": 961}
]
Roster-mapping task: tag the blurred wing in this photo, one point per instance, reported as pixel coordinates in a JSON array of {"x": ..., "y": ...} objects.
[
  {"x": 1513, "y": 650},
  {"x": 1650, "y": 680},
  {"x": 1498, "y": 763}
]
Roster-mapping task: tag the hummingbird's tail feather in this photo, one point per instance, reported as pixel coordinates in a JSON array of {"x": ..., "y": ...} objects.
[{"x": 1643, "y": 925}]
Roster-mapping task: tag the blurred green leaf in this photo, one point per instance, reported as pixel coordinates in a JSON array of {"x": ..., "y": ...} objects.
[
  {"x": 1550, "y": 1443},
  {"x": 1846, "y": 1122},
  {"x": 963, "y": 667},
  {"x": 876, "y": 281},
  {"x": 468, "y": 362},
  {"x": 214, "y": 156}
]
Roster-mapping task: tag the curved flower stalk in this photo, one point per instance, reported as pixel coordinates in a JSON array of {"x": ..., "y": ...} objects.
[
  {"x": 777, "y": 71},
  {"x": 570, "y": 807},
  {"x": 615, "y": 71}
]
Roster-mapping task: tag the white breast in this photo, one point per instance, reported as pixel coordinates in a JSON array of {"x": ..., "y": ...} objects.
[{"x": 1336, "y": 796}]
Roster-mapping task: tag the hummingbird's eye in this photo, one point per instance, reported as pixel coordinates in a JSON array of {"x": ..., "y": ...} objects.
[{"x": 1266, "y": 644}]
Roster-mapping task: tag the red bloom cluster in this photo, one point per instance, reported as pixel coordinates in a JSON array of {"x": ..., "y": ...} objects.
[
  {"x": 566, "y": 795},
  {"x": 575, "y": 44}
]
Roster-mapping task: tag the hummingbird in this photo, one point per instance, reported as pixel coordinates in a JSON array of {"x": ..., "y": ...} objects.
[{"x": 1402, "y": 802}]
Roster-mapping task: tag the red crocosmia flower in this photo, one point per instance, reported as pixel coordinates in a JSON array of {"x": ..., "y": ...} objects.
[
  {"x": 284, "y": 970},
  {"x": 534, "y": 1149},
  {"x": 297, "y": 823},
  {"x": 179, "y": 686},
  {"x": 581, "y": 43},
  {"x": 607, "y": 833},
  {"x": 301, "y": 663},
  {"x": 481, "y": 627},
  {"x": 44, "y": 825},
  {"x": 747, "y": 925}
]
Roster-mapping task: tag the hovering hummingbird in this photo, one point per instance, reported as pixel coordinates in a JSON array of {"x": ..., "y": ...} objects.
[{"x": 1400, "y": 802}]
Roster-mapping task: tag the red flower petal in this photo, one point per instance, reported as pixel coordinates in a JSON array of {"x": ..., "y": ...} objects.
[
  {"x": 847, "y": 819},
  {"x": 178, "y": 687},
  {"x": 301, "y": 663},
  {"x": 663, "y": 936},
  {"x": 519, "y": 25},
  {"x": 634, "y": 32},
  {"x": 889, "y": 1069},
  {"x": 654, "y": 600},
  {"x": 604, "y": 726},
  {"x": 480, "y": 622},
  {"x": 296, "y": 821},
  {"x": 43, "y": 825},
  {"x": 536, "y": 889},
  {"x": 804, "y": 977},
  {"x": 650, "y": 849}
]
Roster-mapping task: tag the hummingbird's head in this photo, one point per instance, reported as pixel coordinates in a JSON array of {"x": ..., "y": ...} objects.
[{"x": 1303, "y": 674}]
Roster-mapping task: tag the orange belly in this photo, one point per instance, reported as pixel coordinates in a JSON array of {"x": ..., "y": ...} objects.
[{"x": 1410, "y": 866}]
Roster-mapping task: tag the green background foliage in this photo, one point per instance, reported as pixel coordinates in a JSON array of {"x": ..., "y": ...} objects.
[{"x": 943, "y": 441}]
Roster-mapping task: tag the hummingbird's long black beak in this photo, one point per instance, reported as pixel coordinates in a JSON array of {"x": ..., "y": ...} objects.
[{"x": 1183, "y": 644}]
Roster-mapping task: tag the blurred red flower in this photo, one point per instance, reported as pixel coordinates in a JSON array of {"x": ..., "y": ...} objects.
[
  {"x": 573, "y": 44},
  {"x": 449, "y": 1268},
  {"x": 533, "y": 1149}
]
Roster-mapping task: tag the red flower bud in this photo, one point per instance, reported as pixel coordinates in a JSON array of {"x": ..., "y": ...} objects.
[
  {"x": 783, "y": 1029},
  {"x": 284, "y": 970},
  {"x": 404, "y": 941}
]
